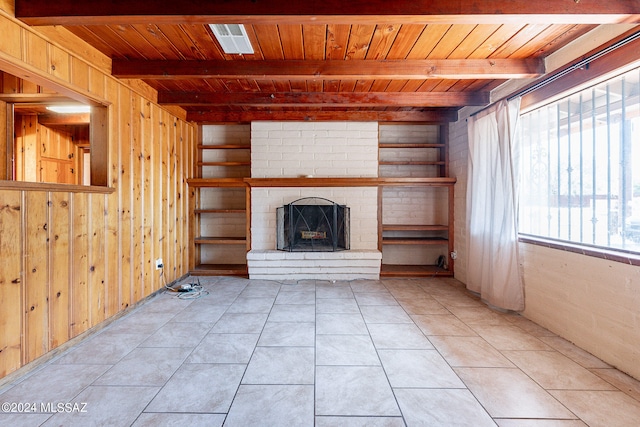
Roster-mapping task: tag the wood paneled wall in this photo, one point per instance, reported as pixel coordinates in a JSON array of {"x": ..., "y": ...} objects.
[
  {"x": 71, "y": 256},
  {"x": 44, "y": 154}
]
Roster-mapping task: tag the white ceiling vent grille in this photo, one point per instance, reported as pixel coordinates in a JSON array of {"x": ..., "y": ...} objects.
[{"x": 232, "y": 37}]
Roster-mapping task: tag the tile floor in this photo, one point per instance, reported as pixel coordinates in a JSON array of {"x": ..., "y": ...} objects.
[{"x": 360, "y": 353}]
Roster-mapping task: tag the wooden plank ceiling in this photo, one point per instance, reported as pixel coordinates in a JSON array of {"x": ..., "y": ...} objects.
[{"x": 331, "y": 60}]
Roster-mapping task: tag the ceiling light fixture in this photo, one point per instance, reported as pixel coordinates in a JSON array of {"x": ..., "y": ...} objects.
[
  {"x": 69, "y": 109},
  {"x": 233, "y": 38}
]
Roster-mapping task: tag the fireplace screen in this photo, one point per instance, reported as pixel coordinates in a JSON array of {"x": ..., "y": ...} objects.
[{"x": 313, "y": 224}]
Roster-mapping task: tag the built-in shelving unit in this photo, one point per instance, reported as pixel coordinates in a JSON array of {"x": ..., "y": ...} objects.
[
  {"x": 416, "y": 208},
  {"x": 415, "y": 196},
  {"x": 220, "y": 207}
]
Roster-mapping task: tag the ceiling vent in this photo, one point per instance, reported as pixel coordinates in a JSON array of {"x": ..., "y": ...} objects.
[{"x": 233, "y": 38}]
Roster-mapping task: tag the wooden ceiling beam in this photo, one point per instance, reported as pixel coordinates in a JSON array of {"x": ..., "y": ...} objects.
[
  {"x": 112, "y": 12},
  {"x": 64, "y": 119},
  {"x": 34, "y": 98},
  {"x": 360, "y": 69},
  {"x": 326, "y": 99},
  {"x": 427, "y": 116}
]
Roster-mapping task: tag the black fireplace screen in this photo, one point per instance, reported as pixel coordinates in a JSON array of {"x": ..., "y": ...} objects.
[{"x": 313, "y": 224}]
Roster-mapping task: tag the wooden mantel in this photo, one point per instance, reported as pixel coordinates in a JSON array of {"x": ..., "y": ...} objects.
[{"x": 318, "y": 182}]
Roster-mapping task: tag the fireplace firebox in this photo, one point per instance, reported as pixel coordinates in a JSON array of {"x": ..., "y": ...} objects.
[{"x": 313, "y": 224}]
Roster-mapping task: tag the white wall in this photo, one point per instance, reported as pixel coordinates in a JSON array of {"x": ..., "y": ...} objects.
[
  {"x": 592, "y": 302},
  {"x": 320, "y": 149},
  {"x": 458, "y": 161},
  {"x": 317, "y": 150}
]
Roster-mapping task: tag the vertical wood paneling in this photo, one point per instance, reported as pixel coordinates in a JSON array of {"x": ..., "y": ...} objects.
[
  {"x": 60, "y": 158},
  {"x": 179, "y": 214},
  {"x": 112, "y": 216},
  {"x": 27, "y": 151},
  {"x": 147, "y": 197},
  {"x": 96, "y": 82},
  {"x": 194, "y": 201},
  {"x": 69, "y": 260},
  {"x": 125, "y": 197},
  {"x": 36, "y": 289},
  {"x": 190, "y": 133},
  {"x": 80, "y": 73},
  {"x": 10, "y": 281},
  {"x": 157, "y": 226},
  {"x": 80, "y": 279},
  {"x": 176, "y": 242},
  {"x": 59, "y": 63},
  {"x": 164, "y": 158},
  {"x": 96, "y": 273},
  {"x": 136, "y": 209},
  {"x": 59, "y": 226},
  {"x": 18, "y": 143},
  {"x": 35, "y": 51},
  {"x": 173, "y": 199},
  {"x": 11, "y": 38},
  {"x": 183, "y": 213}
]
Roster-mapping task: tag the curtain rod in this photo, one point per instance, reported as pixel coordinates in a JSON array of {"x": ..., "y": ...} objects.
[{"x": 582, "y": 64}]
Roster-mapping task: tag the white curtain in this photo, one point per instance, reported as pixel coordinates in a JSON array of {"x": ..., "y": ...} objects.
[{"x": 492, "y": 192}]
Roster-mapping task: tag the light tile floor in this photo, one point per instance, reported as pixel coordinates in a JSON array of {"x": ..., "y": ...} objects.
[{"x": 361, "y": 353}]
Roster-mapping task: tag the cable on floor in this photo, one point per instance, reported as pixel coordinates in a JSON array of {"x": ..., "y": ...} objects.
[{"x": 185, "y": 291}]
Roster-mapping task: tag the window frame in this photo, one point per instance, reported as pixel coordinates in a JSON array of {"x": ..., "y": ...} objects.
[
  {"x": 614, "y": 63},
  {"x": 98, "y": 136}
]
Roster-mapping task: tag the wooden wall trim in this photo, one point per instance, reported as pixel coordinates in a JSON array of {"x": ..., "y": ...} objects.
[{"x": 44, "y": 186}]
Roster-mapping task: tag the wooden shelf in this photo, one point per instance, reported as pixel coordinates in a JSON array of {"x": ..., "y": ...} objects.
[
  {"x": 247, "y": 163},
  {"x": 417, "y": 145},
  {"x": 225, "y": 147},
  {"x": 219, "y": 211},
  {"x": 320, "y": 182},
  {"x": 417, "y": 182},
  {"x": 205, "y": 240},
  {"x": 411, "y": 163},
  {"x": 220, "y": 270},
  {"x": 409, "y": 227},
  {"x": 216, "y": 182},
  {"x": 414, "y": 240},
  {"x": 396, "y": 270},
  {"x": 346, "y": 182}
]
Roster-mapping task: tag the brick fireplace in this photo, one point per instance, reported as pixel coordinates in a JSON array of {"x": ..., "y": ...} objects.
[{"x": 288, "y": 159}]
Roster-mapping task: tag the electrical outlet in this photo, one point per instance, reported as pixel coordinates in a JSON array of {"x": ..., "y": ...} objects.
[{"x": 159, "y": 264}]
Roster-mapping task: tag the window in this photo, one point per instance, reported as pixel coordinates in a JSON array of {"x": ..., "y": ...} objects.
[
  {"x": 580, "y": 165},
  {"x": 41, "y": 144}
]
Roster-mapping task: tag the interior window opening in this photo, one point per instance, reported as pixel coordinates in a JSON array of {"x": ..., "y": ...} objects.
[{"x": 48, "y": 137}]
